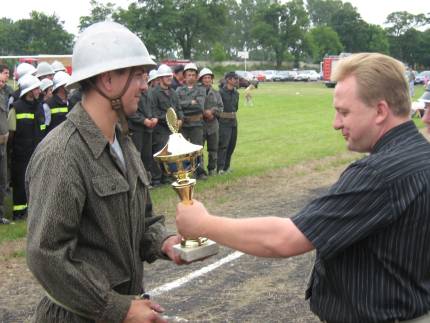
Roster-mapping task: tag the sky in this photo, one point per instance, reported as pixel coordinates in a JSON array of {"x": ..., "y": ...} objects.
[{"x": 372, "y": 11}]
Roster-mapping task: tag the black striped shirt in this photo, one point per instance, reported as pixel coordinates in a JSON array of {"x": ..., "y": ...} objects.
[{"x": 372, "y": 235}]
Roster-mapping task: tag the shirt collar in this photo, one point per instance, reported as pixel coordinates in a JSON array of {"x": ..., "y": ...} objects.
[
  {"x": 89, "y": 131},
  {"x": 392, "y": 136}
]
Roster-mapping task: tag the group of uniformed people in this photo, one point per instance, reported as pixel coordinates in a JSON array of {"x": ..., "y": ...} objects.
[
  {"x": 39, "y": 104},
  {"x": 205, "y": 116}
]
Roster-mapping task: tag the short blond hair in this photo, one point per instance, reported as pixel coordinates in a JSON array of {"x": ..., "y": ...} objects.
[{"x": 379, "y": 77}]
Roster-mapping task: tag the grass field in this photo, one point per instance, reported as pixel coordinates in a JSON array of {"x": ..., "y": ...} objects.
[{"x": 289, "y": 123}]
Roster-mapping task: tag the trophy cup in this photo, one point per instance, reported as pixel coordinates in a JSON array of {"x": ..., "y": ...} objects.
[{"x": 180, "y": 158}]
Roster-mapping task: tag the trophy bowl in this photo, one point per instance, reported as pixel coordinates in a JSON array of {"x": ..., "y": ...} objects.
[{"x": 180, "y": 158}]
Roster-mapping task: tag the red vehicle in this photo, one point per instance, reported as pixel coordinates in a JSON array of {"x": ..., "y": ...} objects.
[
  {"x": 328, "y": 66},
  {"x": 174, "y": 62}
]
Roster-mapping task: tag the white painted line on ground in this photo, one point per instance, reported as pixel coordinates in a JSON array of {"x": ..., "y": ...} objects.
[{"x": 195, "y": 274}]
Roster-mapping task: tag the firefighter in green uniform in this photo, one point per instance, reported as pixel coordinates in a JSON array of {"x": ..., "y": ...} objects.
[
  {"x": 163, "y": 97},
  {"x": 142, "y": 124},
  {"x": 192, "y": 101},
  {"x": 228, "y": 122},
  {"x": 90, "y": 218},
  {"x": 213, "y": 107},
  {"x": 26, "y": 129},
  {"x": 58, "y": 104}
]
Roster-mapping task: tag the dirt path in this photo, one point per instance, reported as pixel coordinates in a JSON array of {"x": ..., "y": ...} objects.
[{"x": 247, "y": 289}]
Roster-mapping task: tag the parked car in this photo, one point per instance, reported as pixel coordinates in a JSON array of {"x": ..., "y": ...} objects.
[
  {"x": 282, "y": 76},
  {"x": 269, "y": 74},
  {"x": 419, "y": 79},
  {"x": 307, "y": 75}
]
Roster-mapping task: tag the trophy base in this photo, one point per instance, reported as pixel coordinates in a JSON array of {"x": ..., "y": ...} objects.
[{"x": 189, "y": 254}]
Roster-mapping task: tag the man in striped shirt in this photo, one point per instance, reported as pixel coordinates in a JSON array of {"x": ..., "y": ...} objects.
[{"x": 371, "y": 231}]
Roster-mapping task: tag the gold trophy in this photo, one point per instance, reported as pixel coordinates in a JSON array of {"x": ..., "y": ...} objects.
[{"x": 180, "y": 159}]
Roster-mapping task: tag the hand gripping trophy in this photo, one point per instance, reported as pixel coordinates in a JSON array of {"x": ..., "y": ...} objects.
[{"x": 180, "y": 158}]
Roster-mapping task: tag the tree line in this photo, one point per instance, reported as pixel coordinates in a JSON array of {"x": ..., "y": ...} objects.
[{"x": 217, "y": 30}]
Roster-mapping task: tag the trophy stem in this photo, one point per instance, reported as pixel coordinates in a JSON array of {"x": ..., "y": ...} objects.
[{"x": 185, "y": 188}]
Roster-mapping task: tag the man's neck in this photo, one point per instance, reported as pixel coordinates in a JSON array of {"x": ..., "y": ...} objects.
[
  {"x": 230, "y": 87},
  {"x": 100, "y": 111},
  {"x": 164, "y": 86}
]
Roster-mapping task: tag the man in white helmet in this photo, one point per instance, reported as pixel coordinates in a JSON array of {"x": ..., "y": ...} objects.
[
  {"x": 58, "y": 104},
  {"x": 163, "y": 97},
  {"x": 213, "y": 107},
  {"x": 46, "y": 94},
  {"x": 45, "y": 70},
  {"x": 90, "y": 219},
  {"x": 192, "y": 101},
  {"x": 21, "y": 70},
  {"x": 26, "y": 130}
]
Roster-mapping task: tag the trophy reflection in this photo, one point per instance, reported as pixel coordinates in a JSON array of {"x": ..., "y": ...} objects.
[{"x": 180, "y": 159}]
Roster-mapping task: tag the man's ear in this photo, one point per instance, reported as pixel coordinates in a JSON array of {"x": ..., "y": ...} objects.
[
  {"x": 383, "y": 111},
  {"x": 105, "y": 81}
]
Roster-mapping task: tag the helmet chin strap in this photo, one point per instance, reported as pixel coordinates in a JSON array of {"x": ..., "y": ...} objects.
[{"x": 116, "y": 103}]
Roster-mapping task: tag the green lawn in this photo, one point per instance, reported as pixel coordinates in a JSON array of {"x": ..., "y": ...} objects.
[{"x": 289, "y": 123}]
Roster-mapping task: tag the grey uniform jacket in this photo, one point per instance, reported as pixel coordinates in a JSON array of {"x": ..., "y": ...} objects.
[
  {"x": 90, "y": 222},
  {"x": 186, "y": 96},
  {"x": 213, "y": 102},
  {"x": 161, "y": 100}
]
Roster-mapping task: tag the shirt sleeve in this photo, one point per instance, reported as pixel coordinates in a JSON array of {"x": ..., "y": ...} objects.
[
  {"x": 54, "y": 214},
  {"x": 355, "y": 207},
  {"x": 47, "y": 111},
  {"x": 11, "y": 120}
]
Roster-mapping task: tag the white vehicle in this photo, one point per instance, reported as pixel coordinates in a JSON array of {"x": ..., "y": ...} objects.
[
  {"x": 307, "y": 75},
  {"x": 269, "y": 74}
]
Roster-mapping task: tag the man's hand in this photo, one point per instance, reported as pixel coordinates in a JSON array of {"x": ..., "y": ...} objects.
[
  {"x": 193, "y": 102},
  {"x": 167, "y": 248},
  {"x": 179, "y": 123},
  {"x": 154, "y": 122},
  {"x": 191, "y": 219},
  {"x": 144, "y": 311},
  {"x": 147, "y": 123},
  {"x": 208, "y": 114}
]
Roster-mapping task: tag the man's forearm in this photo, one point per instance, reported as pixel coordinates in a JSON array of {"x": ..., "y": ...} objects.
[{"x": 263, "y": 237}]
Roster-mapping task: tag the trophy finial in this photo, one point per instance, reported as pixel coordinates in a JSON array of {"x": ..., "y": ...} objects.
[{"x": 172, "y": 120}]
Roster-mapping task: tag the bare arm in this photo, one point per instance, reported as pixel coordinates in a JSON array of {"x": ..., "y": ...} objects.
[{"x": 264, "y": 237}]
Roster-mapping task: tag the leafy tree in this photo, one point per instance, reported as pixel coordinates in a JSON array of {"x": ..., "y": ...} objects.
[
  {"x": 321, "y": 11},
  {"x": 324, "y": 41},
  {"x": 401, "y": 21},
  {"x": 282, "y": 27},
  {"x": 350, "y": 27},
  {"x": 8, "y": 37},
  {"x": 377, "y": 39},
  {"x": 99, "y": 12},
  {"x": 42, "y": 34},
  {"x": 187, "y": 22},
  {"x": 140, "y": 20}
]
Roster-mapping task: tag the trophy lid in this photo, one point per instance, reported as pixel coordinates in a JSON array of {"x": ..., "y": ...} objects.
[{"x": 177, "y": 145}]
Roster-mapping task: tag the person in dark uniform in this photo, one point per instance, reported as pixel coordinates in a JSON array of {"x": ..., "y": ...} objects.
[
  {"x": 192, "y": 101},
  {"x": 178, "y": 76},
  {"x": 213, "y": 107},
  {"x": 58, "y": 103},
  {"x": 141, "y": 125},
  {"x": 163, "y": 97},
  {"x": 228, "y": 122},
  {"x": 26, "y": 127}
]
